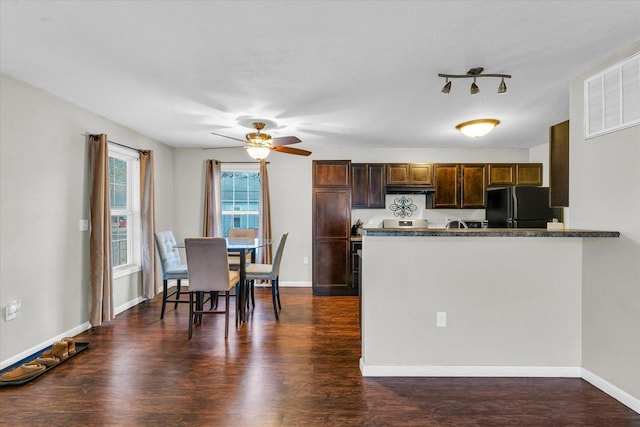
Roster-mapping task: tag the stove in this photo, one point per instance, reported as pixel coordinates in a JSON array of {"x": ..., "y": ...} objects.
[{"x": 405, "y": 223}]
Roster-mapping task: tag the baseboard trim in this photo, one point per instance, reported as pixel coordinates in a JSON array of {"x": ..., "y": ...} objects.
[
  {"x": 28, "y": 352},
  {"x": 470, "y": 371},
  {"x": 126, "y": 306},
  {"x": 613, "y": 391}
]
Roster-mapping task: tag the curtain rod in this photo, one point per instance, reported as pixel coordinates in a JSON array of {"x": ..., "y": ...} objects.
[
  {"x": 117, "y": 143},
  {"x": 231, "y": 163}
]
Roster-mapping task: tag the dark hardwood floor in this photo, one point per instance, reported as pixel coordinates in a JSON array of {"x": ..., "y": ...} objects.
[{"x": 301, "y": 371}]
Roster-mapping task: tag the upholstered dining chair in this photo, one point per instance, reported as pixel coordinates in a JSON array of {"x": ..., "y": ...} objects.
[
  {"x": 270, "y": 272},
  {"x": 208, "y": 272},
  {"x": 172, "y": 268},
  {"x": 241, "y": 233}
]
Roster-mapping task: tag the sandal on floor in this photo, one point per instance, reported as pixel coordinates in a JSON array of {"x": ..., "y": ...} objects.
[
  {"x": 23, "y": 372},
  {"x": 48, "y": 360}
]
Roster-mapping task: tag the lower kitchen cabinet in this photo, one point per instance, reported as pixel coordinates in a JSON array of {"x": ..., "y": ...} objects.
[{"x": 356, "y": 245}]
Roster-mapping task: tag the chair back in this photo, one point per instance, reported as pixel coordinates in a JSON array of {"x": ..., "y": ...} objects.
[
  {"x": 207, "y": 263},
  {"x": 167, "y": 250},
  {"x": 242, "y": 233},
  {"x": 275, "y": 270}
]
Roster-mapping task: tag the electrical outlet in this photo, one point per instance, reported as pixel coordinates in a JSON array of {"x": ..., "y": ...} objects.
[{"x": 441, "y": 319}]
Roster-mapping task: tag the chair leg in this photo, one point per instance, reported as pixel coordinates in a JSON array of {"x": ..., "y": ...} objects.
[
  {"x": 237, "y": 303},
  {"x": 178, "y": 288},
  {"x": 213, "y": 299},
  {"x": 164, "y": 298},
  {"x": 277, "y": 282},
  {"x": 191, "y": 315},
  {"x": 253, "y": 300},
  {"x": 273, "y": 298},
  {"x": 226, "y": 315}
]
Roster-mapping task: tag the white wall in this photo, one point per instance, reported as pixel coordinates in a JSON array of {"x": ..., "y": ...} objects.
[
  {"x": 290, "y": 185},
  {"x": 43, "y": 190},
  {"x": 605, "y": 194},
  {"x": 540, "y": 154}
]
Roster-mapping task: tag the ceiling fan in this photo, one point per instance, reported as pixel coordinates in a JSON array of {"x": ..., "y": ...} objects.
[{"x": 259, "y": 144}]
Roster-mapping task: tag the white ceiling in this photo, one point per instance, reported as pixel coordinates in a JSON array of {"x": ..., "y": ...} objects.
[{"x": 333, "y": 73}]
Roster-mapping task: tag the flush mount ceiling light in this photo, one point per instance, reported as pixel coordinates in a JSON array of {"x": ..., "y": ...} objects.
[
  {"x": 474, "y": 73},
  {"x": 477, "y": 128}
]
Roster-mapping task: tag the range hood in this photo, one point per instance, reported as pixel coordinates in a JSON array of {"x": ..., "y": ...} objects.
[{"x": 409, "y": 189}]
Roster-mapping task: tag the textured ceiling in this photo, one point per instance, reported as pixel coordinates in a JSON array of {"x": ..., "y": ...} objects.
[{"x": 347, "y": 73}]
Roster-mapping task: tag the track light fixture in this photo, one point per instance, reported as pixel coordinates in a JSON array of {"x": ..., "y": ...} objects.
[{"x": 474, "y": 73}]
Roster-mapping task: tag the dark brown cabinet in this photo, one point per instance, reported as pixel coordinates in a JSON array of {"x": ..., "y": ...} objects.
[
  {"x": 529, "y": 174},
  {"x": 459, "y": 185},
  {"x": 559, "y": 164},
  {"x": 367, "y": 185},
  {"x": 409, "y": 174},
  {"x": 508, "y": 174},
  {"x": 332, "y": 228}
]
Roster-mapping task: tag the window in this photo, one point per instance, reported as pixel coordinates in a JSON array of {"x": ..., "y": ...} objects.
[
  {"x": 124, "y": 196},
  {"x": 240, "y": 196}
]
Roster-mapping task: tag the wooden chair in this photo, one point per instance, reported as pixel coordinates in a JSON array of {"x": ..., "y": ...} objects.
[
  {"x": 208, "y": 265},
  {"x": 270, "y": 272}
]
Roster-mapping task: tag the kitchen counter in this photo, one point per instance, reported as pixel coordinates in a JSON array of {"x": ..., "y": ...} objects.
[
  {"x": 488, "y": 232},
  {"x": 511, "y": 303}
]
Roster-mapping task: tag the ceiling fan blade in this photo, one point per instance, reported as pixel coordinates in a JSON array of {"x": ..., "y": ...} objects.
[
  {"x": 289, "y": 150},
  {"x": 284, "y": 140},
  {"x": 221, "y": 148},
  {"x": 230, "y": 137}
]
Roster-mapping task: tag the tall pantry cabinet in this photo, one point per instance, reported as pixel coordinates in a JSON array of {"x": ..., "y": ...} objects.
[{"x": 332, "y": 227}]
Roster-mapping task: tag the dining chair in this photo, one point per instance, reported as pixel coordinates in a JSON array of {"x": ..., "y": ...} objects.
[
  {"x": 172, "y": 268},
  {"x": 270, "y": 272},
  {"x": 208, "y": 264},
  {"x": 241, "y": 233}
]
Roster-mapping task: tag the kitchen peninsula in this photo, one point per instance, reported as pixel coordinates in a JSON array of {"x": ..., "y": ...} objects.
[{"x": 474, "y": 302}]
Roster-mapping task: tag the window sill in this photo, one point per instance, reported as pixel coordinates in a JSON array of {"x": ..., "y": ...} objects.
[{"x": 125, "y": 270}]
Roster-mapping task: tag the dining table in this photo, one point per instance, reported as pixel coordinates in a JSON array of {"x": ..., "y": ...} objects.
[{"x": 241, "y": 247}]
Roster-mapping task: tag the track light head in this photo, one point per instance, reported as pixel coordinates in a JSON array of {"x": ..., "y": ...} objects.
[
  {"x": 503, "y": 87},
  {"x": 474, "y": 87},
  {"x": 447, "y": 87}
]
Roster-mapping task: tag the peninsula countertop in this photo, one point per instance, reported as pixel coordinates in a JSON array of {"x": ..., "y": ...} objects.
[{"x": 489, "y": 232}]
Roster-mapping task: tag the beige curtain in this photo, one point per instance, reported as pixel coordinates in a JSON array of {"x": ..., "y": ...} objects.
[
  {"x": 148, "y": 215},
  {"x": 100, "y": 282},
  {"x": 212, "y": 226},
  {"x": 264, "y": 255}
]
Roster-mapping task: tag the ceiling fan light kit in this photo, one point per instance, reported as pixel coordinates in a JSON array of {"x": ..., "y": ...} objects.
[
  {"x": 477, "y": 128},
  {"x": 258, "y": 153},
  {"x": 474, "y": 73}
]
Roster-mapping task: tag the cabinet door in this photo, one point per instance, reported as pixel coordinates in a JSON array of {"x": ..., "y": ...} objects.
[
  {"x": 529, "y": 174},
  {"x": 331, "y": 244},
  {"x": 501, "y": 174},
  {"x": 446, "y": 185},
  {"x": 359, "y": 185},
  {"x": 474, "y": 186},
  {"x": 398, "y": 173},
  {"x": 421, "y": 173},
  {"x": 331, "y": 173},
  {"x": 375, "y": 185},
  {"x": 559, "y": 164}
]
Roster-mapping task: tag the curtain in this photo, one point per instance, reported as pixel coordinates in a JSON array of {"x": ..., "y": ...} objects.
[
  {"x": 264, "y": 255},
  {"x": 100, "y": 281},
  {"x": 147, "y": 216},
  {"x": 212, "y": 226}
]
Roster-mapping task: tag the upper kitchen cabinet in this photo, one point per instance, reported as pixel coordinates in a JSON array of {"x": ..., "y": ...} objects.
[
  {"x": 509, "y": 174},
  {"x": 460, "y": 186},
  {"x": 368, "y": 185},
  {"x": 559, "y": 164},
  {"x": 501, "y": 174},
  {"x": 409, "y": 174},
  {"x": 331, "y": 173},
  {"x": 529, "y": 174}
]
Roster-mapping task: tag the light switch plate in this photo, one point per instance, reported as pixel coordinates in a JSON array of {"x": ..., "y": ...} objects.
[
  {"x": 83, "y": 224},
  {"x": 441, "y": 319}
]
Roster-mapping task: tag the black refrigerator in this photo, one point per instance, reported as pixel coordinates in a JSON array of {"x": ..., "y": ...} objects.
[{"x": 520, "y": 207}]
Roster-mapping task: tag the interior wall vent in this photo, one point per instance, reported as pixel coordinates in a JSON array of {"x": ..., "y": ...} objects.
[{"x": 612, "y": 98}]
